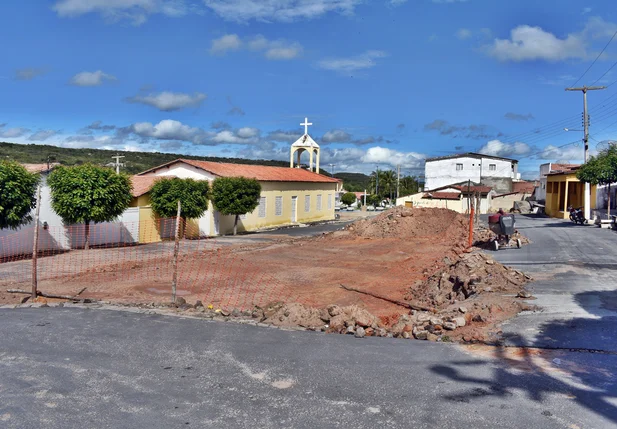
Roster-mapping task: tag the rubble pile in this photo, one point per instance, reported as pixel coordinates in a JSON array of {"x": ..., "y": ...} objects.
[
  {"x": 483, "y": 237},
  {"x": 472, "y": 274}
]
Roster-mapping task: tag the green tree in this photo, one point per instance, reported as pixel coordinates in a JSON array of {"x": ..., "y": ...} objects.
[
  {"x": 373, "y": 200},
  {"x": 192, "y": 194},
  {"x": 235, "y": 196},
  {"x": 88, "y": 193},
  {"x": 408, "y": 185},
  {"x": 600, "y": 170},
  {"x": 17, "y": 194},
  {"x": 349, "y": 198}
]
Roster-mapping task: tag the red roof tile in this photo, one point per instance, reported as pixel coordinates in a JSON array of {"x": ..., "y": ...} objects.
[
  {"x": 443, "y": 195},
  {"x": 143, "y": 184},
  {"x": 259, "y": 172},
  {"x": 474, "y": 188},
  {"x": 526, "y": 187}
]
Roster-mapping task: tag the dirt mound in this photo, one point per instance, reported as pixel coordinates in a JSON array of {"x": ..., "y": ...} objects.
[{"x": 404, "y": 222}]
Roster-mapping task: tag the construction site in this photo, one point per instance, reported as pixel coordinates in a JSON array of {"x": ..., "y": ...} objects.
[{"x": 405, "y": 273}]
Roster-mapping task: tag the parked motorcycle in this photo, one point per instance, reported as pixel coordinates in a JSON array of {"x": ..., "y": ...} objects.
[{"x": 577, "y": 216}]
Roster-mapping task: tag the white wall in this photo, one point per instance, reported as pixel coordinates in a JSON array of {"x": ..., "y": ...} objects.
[
  {"x": 183, "y": 171},
  {"x": 541, "y": 190},
  {"x": 124, "y": 230},
  {"x": 443, "y": 172}
]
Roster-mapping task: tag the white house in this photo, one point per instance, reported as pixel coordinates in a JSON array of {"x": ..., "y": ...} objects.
[{"x": 493, "y": 171}]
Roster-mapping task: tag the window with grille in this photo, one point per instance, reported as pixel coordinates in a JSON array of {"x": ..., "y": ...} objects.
[
  {"x": 492, "y": 167},
  {"x": 307, "y": 203},
  {"x": 278, "y": 206},
  {"x": 319, "y": 202},
  {"x": 329, "y": 201},
  {"x": 262, "y": 207},
  {"x": 459, "y": 167}
]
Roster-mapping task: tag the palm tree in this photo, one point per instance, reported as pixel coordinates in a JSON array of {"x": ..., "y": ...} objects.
[{"x": 388, "y": 181}]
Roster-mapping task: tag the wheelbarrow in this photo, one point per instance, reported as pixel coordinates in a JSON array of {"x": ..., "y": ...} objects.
[{"x": 504, "y": 228}]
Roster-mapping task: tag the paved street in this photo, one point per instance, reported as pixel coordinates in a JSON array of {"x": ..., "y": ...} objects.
[
  {"x": 76, "y": 368},
  {"x": 575, "y": 272}
]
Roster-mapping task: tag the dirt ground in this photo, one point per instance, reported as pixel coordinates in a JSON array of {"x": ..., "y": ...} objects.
[{"x": 417, "y": 256}]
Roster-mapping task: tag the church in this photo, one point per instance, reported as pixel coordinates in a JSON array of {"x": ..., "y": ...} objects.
[{"x": 288, "y": 195}]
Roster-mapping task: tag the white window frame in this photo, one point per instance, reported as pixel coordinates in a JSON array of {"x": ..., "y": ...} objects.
[
  {"x": 329, "y": 201},
  {"x": 459, "y": 167},
  {"x": 262, "y": 207},
  {"x": 278, "y": 206},
  {"x": 307, "y": 203},
  {"x": 492, "y": 167},
  {"x": 318, "y": 202}
]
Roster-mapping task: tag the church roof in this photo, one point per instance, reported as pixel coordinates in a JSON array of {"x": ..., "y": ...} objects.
[
  {"x": 259, "y": 172},
  {"x": 305, "y": 141}
]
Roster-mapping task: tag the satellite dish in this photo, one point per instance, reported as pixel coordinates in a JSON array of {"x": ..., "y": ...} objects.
[{"x": 605, "y": 144}]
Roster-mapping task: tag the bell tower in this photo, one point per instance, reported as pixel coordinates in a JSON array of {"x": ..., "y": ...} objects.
[{"x": 305, "y": 143}]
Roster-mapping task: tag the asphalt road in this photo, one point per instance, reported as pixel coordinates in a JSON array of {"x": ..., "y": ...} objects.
[
  {"x": 76, "y": 368},
  {"x": 575, "y": 273}
]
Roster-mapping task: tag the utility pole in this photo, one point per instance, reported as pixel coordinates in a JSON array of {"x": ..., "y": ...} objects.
[
  {"x": 398, "y": 179},
  {"x": 377, "y": 181},
  {"x": 332, "y": 169},
  {"x": 587, "y": 200},
  {"x": 118, "y": 164}
]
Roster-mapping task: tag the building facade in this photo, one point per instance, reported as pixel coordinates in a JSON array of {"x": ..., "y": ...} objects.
[
  {"x": 545, "y": 170},
  {"x": 457, "y": 198},
  {"x": 288, "y": 195},
  {"x": 495, "y": 172},
  {"x": 563, "y": 189}
]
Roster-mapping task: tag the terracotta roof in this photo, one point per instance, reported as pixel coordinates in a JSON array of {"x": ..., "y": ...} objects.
[
  {"x": 563, "y": 167},
  {"x": 258, "y": 172},
  {"x": 443, "y": 195},
  {"x": 474, "y": 188},
  {"x": 526, "y": 187},
  {"x": 566, "y": 170},
  {"x": 39, "y": 168},
  {"x": 143, "y": 184}
]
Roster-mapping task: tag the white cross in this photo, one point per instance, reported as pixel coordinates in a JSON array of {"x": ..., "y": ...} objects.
[{"x": 306, "y": 125}]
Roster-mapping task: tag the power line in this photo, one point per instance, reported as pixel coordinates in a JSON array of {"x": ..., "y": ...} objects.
[{"x": 594, "y": 61}]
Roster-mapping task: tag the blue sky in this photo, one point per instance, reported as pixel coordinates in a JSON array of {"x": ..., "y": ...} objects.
[{"x": 388, "y": 82}]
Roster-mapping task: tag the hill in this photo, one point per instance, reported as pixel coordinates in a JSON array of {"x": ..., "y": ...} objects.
[
  {"x": 354, "y": 182},
  {"x": 135, "y": 162}
]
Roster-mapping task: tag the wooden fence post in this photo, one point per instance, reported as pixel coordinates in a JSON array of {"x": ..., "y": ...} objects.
[
  {"x": 174, "y": 281},
  {"x": 35, "y": 244}
]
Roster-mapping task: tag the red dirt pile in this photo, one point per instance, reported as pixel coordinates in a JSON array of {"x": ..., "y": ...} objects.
[{"x": 405, "y": 222}]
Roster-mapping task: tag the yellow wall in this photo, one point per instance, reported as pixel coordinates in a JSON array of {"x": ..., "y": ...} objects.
[
  {"x": 150, "y": 225},
  {"x": 270, "y": 190},
  {"x": 557, "y": 199}
]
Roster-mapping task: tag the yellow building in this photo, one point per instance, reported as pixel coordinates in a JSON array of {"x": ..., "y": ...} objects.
[
  {"x": 563, "y": 189},
  {"x": 289, "y": 196}
]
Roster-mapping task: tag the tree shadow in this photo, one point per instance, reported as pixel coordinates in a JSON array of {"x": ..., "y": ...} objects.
[{"x": 581, "y": 364}]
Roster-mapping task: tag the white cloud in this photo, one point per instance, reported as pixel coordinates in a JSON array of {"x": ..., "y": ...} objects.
[
  {"x": 42, "y": 135},
  {"x": 533, "y": 43},
  {"x": 570, "y": 153},
  {"x": 96, "y": 78},
  {"x": 463, "y": 33},
  {"x": 351, "y": 64},
  {"x": 228, "y": 42},
  {"x": 506, "y": 150},
  {"x": 278, "y": 10},
  {"x": 247, "y": 132},
  {"x": 586, "y": 10},
  {"x": 10, "y": 133},
  {"x": 167, "y": 101},
  {"x": 527, "y": 43},
  {"x": 136, "y": 11},
  {"x": 391, "y": 157},
  {"x": 271, "y": 49}
]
